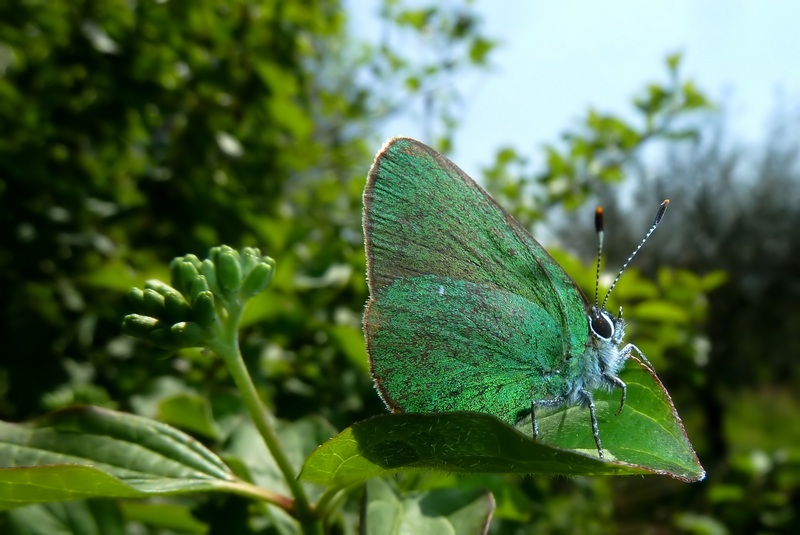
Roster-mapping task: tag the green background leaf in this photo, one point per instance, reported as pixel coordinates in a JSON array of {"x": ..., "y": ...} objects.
[
  {"x": 434, "y": 511},
  {"x": 191, "y": 412},
  {"x": 87, "y": 517}
]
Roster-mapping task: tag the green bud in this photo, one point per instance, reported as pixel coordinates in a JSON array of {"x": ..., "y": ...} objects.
[
  {"x": 209, "y": 271},
  {"x": 192, "y": 259},
  {"x": 199, "y": 285},
  {"x": 163, "y": 337},
  {"x": 186, "y": 275},
  {"x": 139, "y": 326},
  {"x": 250, "y": 257},
  {"x": 258, "y": 279},
  {"x": 175, "y": 275},
  {"x": 176, "y": 309},
  {"x": 229, "y": 270},
  {"x": 162, "y": 288},
  {"x": 153, "y": 303},
  {"x": 215, "y": 251},
  {"x": 203, "y": 310},
  {"x": 187, "y": 334},
  {"x": 136, "y": 298}
]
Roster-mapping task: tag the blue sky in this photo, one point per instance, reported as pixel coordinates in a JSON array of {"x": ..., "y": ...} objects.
[{"x": 556, "y": 59}]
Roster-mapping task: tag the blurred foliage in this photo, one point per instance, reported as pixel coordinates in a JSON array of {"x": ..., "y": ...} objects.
[{"x": 134, "y": 132}]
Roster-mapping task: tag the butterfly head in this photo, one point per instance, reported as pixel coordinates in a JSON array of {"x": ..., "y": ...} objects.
[{"x": 606, "y": 328}]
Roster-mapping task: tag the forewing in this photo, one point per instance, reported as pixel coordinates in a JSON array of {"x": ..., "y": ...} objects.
[
  {"x": 423, "y": 215},
  {"x": 448, "y": 345}
]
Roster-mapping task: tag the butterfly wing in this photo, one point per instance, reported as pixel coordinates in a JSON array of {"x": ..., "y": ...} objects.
[
  {"x": 424, "y": 216},
  {"x": 440, "y": 345}
]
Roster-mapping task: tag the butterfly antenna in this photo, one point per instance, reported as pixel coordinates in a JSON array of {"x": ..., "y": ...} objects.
[
  {"x": 598, "y": 227},
  {"x": 656, "y": 221}
]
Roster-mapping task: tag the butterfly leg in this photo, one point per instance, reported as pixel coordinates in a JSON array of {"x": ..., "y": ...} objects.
[
  {"x": 555, "y": 402},
  {"x": 621, "y": 384},
  {"x": 587, "y": 396},
  {"x": 629, "y": 348}
]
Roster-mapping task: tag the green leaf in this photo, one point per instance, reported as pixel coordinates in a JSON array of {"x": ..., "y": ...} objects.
[
  {"x": 714, "y": 280},
  {"x": 87, "y": 517},
  {"x": 190, "y": 412},
  {"x": 647, "y": 437},
  {"x": 674, "y": 61},
  {"x": 299, "y": 438},
  {"x": 693, "y": 98},
  {"x": 416, "y": 18},
  {"x": 170, "y": 516},
  {"x": 436, "y": 511},
  {"x": 479, "y": 50},
  {"x": 661, "y": 311},
  {"x": 648, "y": 434},
  {"x": 88, "y": 452},
  {"x": 351, "y": 342}
]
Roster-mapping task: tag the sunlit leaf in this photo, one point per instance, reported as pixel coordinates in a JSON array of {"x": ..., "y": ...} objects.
[{"x": 647, "y": 437}]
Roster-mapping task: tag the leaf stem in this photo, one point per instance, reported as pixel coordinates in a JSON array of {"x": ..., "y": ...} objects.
[
  {"x": 249, "y": 490},
  {"x": 226, "y": 344},
  {"x": 330, "y": 496}
]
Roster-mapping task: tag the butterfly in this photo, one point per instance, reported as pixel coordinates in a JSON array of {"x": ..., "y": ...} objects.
[{"x": 467, "y": 311}]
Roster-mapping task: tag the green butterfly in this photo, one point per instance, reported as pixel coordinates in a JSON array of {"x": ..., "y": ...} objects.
[{"x": 467, "y": 311}]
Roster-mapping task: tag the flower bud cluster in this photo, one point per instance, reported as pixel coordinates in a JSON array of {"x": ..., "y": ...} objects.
[{"x": 184, "y": 314}]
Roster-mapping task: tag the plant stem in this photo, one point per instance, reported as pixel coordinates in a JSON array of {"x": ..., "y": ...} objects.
[
  {"x": 331, "y": 495},
  {"x": 226, "y": 344}
]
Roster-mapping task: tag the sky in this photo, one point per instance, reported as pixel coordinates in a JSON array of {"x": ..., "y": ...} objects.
[{"x": 556, "y": 59}]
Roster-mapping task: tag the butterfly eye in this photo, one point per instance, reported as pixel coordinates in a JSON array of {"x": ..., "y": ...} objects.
[{"x": 602, "y": 325}]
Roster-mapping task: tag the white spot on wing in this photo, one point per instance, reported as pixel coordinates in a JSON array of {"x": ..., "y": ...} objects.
[{"x": 441, "y": 290}]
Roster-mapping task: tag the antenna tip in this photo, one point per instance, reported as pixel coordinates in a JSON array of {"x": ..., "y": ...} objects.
[
  {"x": 598, "y": 219},
  {"x": 660, "y": 213}
]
